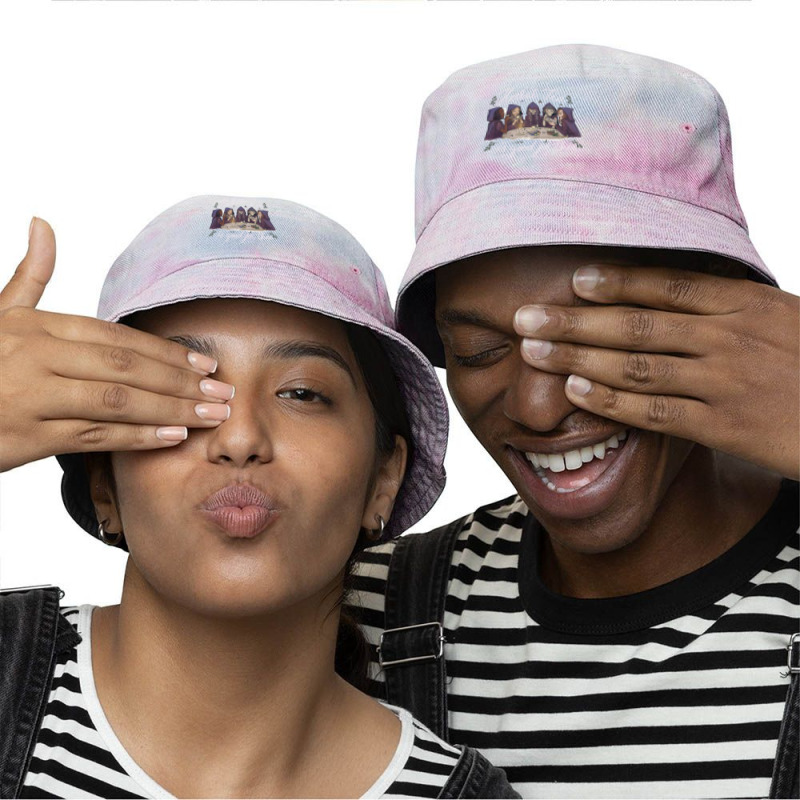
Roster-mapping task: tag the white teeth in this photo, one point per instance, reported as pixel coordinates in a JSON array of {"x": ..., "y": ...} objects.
[
  {"x": 599, "y": 450},
  {"x": 572, "y": 459}
]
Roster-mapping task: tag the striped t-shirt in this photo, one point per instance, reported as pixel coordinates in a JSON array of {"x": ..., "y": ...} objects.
[
  {"x": 675, "y": 692},
  {"x": 77, "y": 753}
]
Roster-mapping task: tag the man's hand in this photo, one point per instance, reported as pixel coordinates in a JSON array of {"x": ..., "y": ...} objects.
[
  {"x": 75, "y": 384},
  {"x": 705, "y": 358}
]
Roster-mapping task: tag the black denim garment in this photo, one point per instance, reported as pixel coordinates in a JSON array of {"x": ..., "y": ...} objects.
[{"x": 32, "y": 635}]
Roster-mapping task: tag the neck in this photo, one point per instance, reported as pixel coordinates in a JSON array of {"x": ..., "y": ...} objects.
[
  {"x": 712, "y": 503},
  {"x": 212, "y": 706}
]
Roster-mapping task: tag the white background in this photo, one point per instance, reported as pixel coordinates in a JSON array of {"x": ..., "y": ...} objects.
[{"x": 112, "y": 111}]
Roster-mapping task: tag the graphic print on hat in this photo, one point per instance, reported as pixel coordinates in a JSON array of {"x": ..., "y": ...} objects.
[
  {"x": 543, "y": 122},
  {"x": 241, "y": 219}
]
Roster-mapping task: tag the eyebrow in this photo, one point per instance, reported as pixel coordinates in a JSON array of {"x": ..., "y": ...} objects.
[
  {"x": 284, "y": 350},
  {"x": 455, "y": 316}
]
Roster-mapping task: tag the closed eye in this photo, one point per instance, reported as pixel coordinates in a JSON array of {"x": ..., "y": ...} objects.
[{"x": 483, "y": 359}]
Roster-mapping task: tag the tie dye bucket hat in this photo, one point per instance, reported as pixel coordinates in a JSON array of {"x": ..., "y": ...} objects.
[
  {"x": 283, "y": 252},
  {"x": 573, "y": 144}
]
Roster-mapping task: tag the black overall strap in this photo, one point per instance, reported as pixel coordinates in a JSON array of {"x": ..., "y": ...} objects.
[
  {"x": 474, "y": 777},
  {"x": 411, "y": 648},
  {"x": 786, "y": 774},
  {"x": 32, "y": 635}
]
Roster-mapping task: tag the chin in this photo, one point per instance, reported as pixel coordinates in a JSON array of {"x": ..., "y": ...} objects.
[{"x": 596, "y": 536}]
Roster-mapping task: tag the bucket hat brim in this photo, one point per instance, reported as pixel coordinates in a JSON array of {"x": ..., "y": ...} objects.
[
  {"x": 539, "y": 212},
  {"x": 293, "y": 285}
]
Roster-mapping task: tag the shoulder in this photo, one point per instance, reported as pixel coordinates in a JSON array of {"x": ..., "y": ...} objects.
[
  {"x": 372, "y": 566},
  {"x": 427, "y": 766},
  {"x": 422, "y": 764},
  {"x": 371, "y": 571}
]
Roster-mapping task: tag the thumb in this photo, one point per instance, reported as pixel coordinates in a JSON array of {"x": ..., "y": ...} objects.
[{"x": 28, "y": 282}]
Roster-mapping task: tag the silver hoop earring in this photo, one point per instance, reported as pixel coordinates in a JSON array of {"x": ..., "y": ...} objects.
[
  {"x": 106, "y": 537},
  {"x": 375, "y": 534}
]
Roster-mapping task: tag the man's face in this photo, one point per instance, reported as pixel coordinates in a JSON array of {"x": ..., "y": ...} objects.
[{"x": 520, "y": 414}]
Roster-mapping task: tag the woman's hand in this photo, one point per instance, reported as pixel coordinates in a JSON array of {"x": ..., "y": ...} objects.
[
  {"x": 705, "y": 358},
  {"x": 76, "y": 384}
]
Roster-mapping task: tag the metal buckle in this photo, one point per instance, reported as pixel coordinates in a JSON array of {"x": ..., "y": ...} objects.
[
  {"x": 792, "y": 668},
  {"x": 28, "y": 588},
  {"x": 412, "y": 659}
]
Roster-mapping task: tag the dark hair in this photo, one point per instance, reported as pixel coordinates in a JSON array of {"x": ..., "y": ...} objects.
[{"x": 352, "y": 651}]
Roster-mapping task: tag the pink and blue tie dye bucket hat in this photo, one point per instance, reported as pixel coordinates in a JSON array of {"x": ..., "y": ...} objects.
[
  {"x": 573, "y": 144},
  {"x": 279, "y": 251}
]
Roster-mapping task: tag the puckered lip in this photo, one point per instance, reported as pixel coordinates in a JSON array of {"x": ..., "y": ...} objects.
[
  {"x": 238, "y": 495},
  {"x": 562, "y": 444}
]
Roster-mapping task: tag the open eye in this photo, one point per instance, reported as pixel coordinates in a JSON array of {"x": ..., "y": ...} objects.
[{"x": 304, "y": 395}]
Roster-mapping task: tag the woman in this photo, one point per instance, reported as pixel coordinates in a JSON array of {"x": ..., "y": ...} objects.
[
  {"x": 514, "y": 118},
  {"x": 533, "y": 116},
  {"x": 263, "y": 220},
  {"x": 497, "y": 126},
  {"x": 549, "y": 116},
  {"x": 566, "y": 122},
  {"x": 225, "y": 670}
]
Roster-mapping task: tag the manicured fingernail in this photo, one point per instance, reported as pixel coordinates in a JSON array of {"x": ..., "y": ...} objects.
[
  {"x": 218, "y": 389},
  {"x": 585, "y": 279},
  {"x": 529, "y": 319},
  {"x": 215, "y": 411},
  {"x": 537, "y": 348},
  {"x": 203, "y": 363},
  {"x": 174, "y": 433},
  {"x": 578, "y": 385},
  {"x": 30, "y": 228}
]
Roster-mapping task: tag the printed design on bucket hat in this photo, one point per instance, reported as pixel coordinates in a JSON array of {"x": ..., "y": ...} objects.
[
  {"x": 542, "y": 121},
  {"x": 241, "y": 219}
]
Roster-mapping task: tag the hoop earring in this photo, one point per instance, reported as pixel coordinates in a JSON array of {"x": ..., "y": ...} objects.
[
  {"x": 375, "y": 534},
  {"x": 106, "y": 537}
]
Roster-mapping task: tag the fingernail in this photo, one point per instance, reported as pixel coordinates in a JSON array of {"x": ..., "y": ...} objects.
[
  {"x": 174, "y": 433},
  {"x": 578, "y": 385},
  {"x": 30, "y": 228},
  {"x": 218, "y": 389},
  {"x": 585, "y": 279},
  {"x": 530, "y": 318},
  {"x": 537, "y": 348},
  {"x": 216, "y": 411},
  {"x": 203, "y": 363}
]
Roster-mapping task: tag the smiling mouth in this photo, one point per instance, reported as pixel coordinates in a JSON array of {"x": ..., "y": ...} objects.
[{"x": 571, "y": 470}]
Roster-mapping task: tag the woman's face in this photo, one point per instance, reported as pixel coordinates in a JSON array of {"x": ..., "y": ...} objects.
[{"x": 262, "y": 512}]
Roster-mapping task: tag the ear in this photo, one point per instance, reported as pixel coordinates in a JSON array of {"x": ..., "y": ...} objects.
[
  {"x": 101, "y": 489},
  {"x": 386, "y": 486}
]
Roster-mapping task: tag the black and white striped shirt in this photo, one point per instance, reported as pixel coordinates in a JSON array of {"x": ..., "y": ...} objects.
[
  {"x": 674, "y": 692},
  {"x": 77, "y": 753}
]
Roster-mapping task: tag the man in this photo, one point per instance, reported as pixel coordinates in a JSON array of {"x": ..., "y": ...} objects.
[{"x": 620, "y": 627}]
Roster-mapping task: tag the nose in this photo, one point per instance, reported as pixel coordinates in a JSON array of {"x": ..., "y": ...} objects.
[
  {"x": 535, "y": 399},
  {"x": 245, "y": 438}
]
